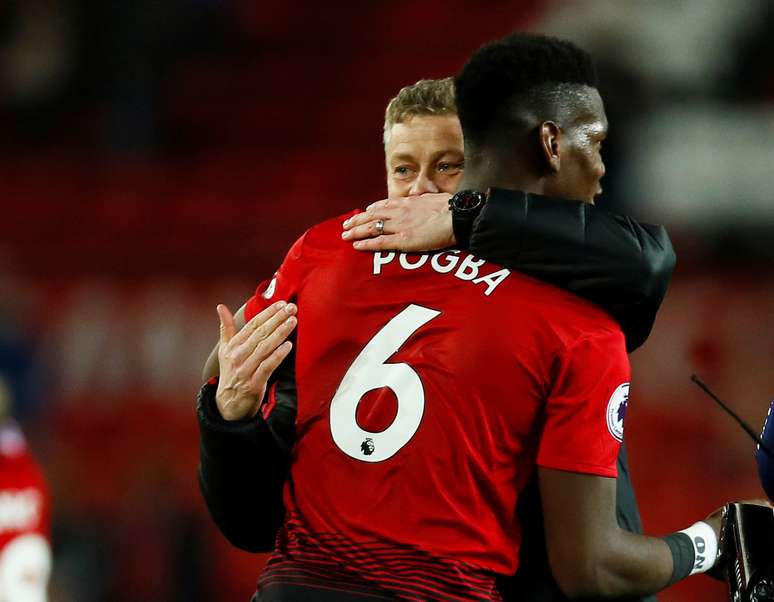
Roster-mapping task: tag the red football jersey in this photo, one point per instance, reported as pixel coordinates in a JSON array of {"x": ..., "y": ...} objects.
[
  {"x": 429, "y": 387},
  {"x": 25, "y": 554}
]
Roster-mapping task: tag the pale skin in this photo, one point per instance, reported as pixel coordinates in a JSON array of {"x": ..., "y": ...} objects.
[
  {"x": 416, "y": 223},
  {"x": 588, "y": 553},
  {"x": 424, "y": 154},
  {"x": 248, "y": 354},
  {"x": 425, "y": 161}
]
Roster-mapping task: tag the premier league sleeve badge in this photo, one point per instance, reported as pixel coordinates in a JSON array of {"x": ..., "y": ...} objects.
[{"x": 616, "y": 411}]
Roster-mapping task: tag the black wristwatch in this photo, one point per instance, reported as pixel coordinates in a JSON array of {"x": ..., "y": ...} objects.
[{"x": 465, "y": 207}]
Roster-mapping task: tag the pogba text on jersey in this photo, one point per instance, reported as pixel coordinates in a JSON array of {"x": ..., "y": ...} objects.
[{"x": 466, "y": 267}]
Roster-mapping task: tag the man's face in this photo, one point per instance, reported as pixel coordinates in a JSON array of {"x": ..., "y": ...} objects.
[
  {"x": 424, "y": 154},
  {"x": 581, "y": 152}
]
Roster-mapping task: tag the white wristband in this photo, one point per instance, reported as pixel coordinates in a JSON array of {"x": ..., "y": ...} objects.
[{"x": 705, "y": 546}]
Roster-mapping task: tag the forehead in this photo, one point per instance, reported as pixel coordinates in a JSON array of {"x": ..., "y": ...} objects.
[
  {"x": 422, "y": 134},
  {"x": 590, "y": 109}
]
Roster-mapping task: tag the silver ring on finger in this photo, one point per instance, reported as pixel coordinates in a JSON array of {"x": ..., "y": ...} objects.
[{"x": 379, "y": 227}]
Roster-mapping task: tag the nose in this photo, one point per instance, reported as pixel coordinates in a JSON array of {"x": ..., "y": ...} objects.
[{"x": 422, "y": 184}]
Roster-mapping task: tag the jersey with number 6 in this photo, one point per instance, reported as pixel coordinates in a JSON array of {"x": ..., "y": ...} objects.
[{"x": 429, "y": 386}]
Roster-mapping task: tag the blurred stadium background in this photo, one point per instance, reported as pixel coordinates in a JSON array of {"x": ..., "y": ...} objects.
[{"x": 159, "y": 156}]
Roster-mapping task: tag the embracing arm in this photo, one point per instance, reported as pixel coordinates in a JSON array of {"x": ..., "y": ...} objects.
[
  {"x": 244, "y": 453},
  {"x": 242, "y": 471},
  {"x": 611, "y": 260}
]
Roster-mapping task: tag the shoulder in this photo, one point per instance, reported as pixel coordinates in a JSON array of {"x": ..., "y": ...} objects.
[
  {"x": 321, "y": 239},
  {"x": 327, "y": 232},
  {"x": 310, "y": 250},
  {"x": 567, "y": 317}
]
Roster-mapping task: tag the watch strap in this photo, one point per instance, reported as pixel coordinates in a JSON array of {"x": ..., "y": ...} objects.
[
  {"x": 463, "y": 219},
  {"x": 462, "y": 225}
]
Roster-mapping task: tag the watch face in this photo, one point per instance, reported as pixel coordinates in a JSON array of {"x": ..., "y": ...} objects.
[{"x": 467, "y": 200}]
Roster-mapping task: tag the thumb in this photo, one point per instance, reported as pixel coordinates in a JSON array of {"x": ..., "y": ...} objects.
[{"x": 227, "y": 326}]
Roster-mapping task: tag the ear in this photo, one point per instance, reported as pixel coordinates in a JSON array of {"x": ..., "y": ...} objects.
[{"x": 550, "y": 136}]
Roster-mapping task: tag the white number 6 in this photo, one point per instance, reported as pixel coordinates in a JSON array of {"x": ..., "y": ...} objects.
[{"x": 368, "y": 372}]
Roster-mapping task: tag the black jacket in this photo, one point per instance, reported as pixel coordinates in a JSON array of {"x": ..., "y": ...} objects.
[{"x": 621, "y": 265}]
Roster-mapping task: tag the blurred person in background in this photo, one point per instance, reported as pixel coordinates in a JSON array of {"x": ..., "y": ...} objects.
[
  {"x": 423, "y": 150},
  {"x": 25, "y": 552}
]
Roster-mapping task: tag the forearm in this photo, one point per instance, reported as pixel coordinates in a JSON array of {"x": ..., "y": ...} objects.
[
  {"x": 519, "y": 228},
  {"x": 241, "y": 473},
  {"x": 590, "y": 555},
  {"x": 611, "y": 260},
  {"x": 620, "y": 564},
  {"x": 628, "y": 565}
]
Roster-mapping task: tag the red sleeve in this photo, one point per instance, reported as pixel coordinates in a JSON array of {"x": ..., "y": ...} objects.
[
  {"x": 586, "y": 408},
  {"x": 282, "y": 287}
]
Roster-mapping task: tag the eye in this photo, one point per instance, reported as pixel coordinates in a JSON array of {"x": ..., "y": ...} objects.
[
  {"x": 402, "y": 171},
  {"x": 450, "y": 168}
]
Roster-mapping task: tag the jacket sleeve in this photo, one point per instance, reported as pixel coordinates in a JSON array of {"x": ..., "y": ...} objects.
[
  {"x": 243, "y": 465},
  {"x": 611, "y": 260}
]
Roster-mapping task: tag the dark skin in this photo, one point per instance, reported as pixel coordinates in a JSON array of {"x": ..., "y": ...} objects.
[{"x": 559, "y": 158}]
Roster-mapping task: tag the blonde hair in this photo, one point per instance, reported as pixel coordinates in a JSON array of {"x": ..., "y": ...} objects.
[{"x": 426, "y": 97}]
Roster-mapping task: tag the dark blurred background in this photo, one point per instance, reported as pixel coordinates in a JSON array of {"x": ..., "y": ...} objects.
[{"x": 159, "y": 156}]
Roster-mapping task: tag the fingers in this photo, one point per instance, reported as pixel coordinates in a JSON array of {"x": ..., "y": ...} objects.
[
  {"x": 249, "y": 358},
  {"x": 380, "y": 243},
  {"x": 386, "y": 210},
  {"x": 367, "y": 230},
  {"x": 357, "y": 220},
  {"x": 257, "y": 321},
  {"x": 270, "y": 364},
  {"x": 378, "y": 205},
  {"x": 261, "y": 348},
  {"x": 265, "y": 330},
  {"x": 227, "y": 326},
  {"x": 367, "y": 217}
]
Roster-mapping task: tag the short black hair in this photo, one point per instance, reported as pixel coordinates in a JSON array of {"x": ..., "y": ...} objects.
[{"x": 522, "y": 69}]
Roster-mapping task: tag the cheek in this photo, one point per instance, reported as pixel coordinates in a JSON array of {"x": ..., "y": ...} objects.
[
  {"x": 448, "y": 184},
  {"x": 397, "y": 188}
]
